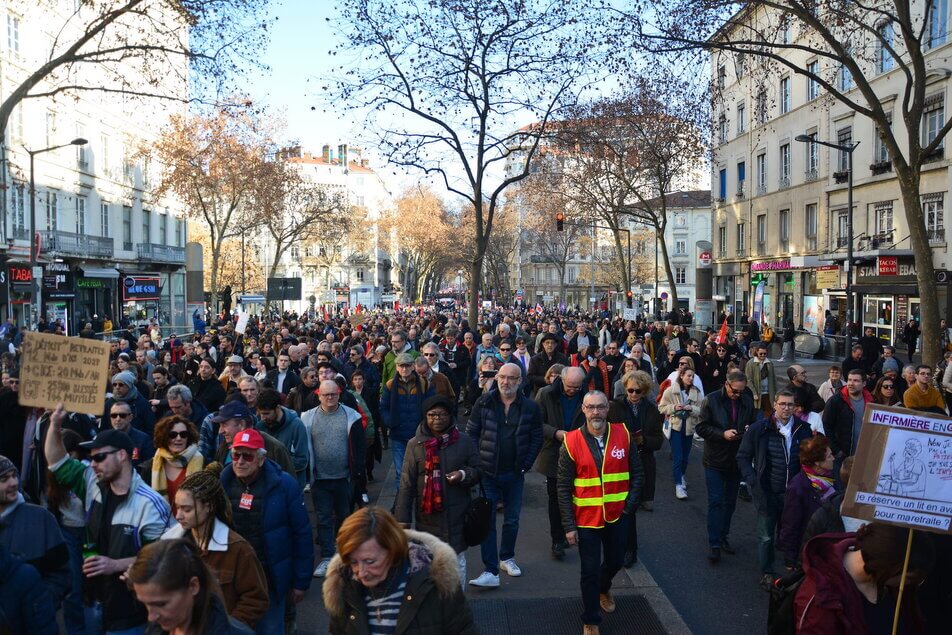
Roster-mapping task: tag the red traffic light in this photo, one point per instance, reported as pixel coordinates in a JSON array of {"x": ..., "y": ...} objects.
[{"x": 559, "y": 221}]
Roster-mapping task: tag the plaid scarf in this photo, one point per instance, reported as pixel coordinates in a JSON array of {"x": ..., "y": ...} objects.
[{"x": 433, "y": 481}]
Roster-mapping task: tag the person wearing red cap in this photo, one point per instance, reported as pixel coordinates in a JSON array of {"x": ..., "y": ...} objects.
[{"x": 268, "y": 510}]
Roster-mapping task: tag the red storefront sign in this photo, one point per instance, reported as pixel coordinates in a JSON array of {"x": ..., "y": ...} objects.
[{"x": 888, "y": 265}]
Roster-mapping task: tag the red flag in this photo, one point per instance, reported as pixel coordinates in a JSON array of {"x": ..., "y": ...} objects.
[
  {"x": 538, "y": 308},
  {"x": 396, "y": 306},
  {"x": 722, "y": 335}
]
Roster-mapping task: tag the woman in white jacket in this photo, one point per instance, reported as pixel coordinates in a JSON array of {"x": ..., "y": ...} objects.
[{"x": 681, "y": 405}]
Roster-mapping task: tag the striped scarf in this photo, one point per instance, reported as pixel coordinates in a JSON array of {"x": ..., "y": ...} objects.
[
  {"x": 820, "y": 479},
  {"x": 433, "y": 482}
]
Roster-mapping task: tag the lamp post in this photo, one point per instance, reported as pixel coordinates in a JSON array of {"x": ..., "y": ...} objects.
[
  {"x": 34, "y": 251},
  {"x": 459, "y": 285},
  {"x": 848, "y": 149}
]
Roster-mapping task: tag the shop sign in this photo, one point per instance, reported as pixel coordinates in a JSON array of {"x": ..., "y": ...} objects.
[
  {"x": 705, "y": 258},
  {"x": 771, "y": 265},
  {"x": 828, "y": 277},
  {"x": 90, "y": 283},
  {"x": 888, "y": 265},
  {"x": 140, "y": 288},
  {"x": 21, "y": 278},
  {"x": 56, "y": 278},
  {"x": 900, "y": 268},
  {"x": 902, "y": 309},
  {"x": 4, "y": 292}
]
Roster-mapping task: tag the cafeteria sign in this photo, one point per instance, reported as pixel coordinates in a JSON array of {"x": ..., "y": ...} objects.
[{"x": 140, "y": 288}]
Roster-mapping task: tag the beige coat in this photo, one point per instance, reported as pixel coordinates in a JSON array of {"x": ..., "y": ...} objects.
[{"x": 672, "y": 397}]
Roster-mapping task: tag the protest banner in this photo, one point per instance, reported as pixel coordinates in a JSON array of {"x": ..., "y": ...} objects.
[
  {"x": 69, "y": 370},
  {"x": 242, "y": 323}
]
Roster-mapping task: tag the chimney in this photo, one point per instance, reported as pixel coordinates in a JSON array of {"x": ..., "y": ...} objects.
[
  {"x": 326, "y": 153},
  {"x": 342, "y": 154},
  {"x": 364, "y": 163}
]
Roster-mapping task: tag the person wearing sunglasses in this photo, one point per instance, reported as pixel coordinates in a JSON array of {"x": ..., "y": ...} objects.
[
  {"x": 176, "y": 455},
  {"x": 267, "y": 507},
  {"x": 644, "y": 422},
  {"x": 885, "y": 392},
  {"x": 124, "y": 390},
  {"x": 122, "y": 512},
  {"x": 120, "y": 418}
]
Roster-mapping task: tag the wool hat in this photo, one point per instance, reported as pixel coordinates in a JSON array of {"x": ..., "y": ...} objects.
[
  {"x": 889, "y": 364},
  {"x": 6, "y": 465},
  {"x": 437, "y": 401},
  {"x": 126, "y": 377}
]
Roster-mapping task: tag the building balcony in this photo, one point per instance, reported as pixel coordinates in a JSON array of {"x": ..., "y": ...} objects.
[
  {"x": 935, "y": 155},
  {"x": 80, "y": 245},
  {"x": 761, "y": 190},
  {"x": 20, "y": 233},
  {"x": 741, "y": 252},
  {"x": 784, "y": 182},
  {"x": 841, "y": 176},
  {"x": 881, "y": 167},
  {"x": 161, "y": 253},
  {"x": 740, "y": 190},
  {"x": 841, "y": 241},
  {"x": 936, "y": 235},
  {"x": 811, "y": 175}
]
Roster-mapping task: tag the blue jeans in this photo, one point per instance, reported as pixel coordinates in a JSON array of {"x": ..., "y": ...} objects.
[
  {"x": 508, "y": 489},
  {"x": 73, "y": 614},
  {"x": 398, "y": 448},
  {"x": 273, "y": 621},
  {"x": 331, "y": 498},
  {"x": 767, "y": 520},
  {"x": 722, "y": 488},
  {"x": 680, "y": 451},
  {"x": 598, "y": 573},
  {"x": 94, "y": 623}
]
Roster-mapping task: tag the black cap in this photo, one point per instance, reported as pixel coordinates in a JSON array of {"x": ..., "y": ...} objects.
[
  {"x": 109, "y": 438},
  {"x": 437, "y": 401},
  {"x": 549, "y": 336}
]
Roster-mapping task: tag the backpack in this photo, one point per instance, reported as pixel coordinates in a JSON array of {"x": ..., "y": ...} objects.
[{"x": 780, "y": 612}]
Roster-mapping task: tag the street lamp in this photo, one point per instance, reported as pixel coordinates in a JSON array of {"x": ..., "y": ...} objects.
[
  {"x": 34, "y": 251},
  {"x": 459, "y": 285},
  {"x": 848, "y": 149}
]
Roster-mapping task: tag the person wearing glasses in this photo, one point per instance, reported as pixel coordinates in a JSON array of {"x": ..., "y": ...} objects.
[
  {"x": 425, "y": 368},
  {"x": 357, "y": 361},
  {"x": 401, "y": 405},
  {"x": 176, "y": 455},
  {"x": 124, "y": 390},
  {"x": 123, "y": 513},
  {"x": 600, "y": 478},
  {"x": 120, "y": 418},
  {"x": 726, "y": 415},
  {"x": 762, "y": 379},
  {"x": 267, "y": 507},
  {"x": 923, "y": 395},
  {"x": 768, "y": 458},
  {"x": 806, "y": 393},
  {"x": 644, "y": 422},
  {"x": 715, "y": 369},
  {"x": 337, "y": 458},
  {"x": 885, "y": 392}
]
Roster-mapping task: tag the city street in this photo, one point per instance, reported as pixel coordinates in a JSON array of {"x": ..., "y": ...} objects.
[{"x": 673, "y": 588}]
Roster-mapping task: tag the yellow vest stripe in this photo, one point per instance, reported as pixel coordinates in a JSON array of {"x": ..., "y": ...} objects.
[
  {"x": 614, "y": 498},
  {"x": 587, "y": 482},
  {"x": 620, "y": 476},
  {"x": 587, "y": 502}
]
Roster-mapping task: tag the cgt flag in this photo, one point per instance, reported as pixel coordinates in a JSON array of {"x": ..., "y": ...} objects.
[
  {"x": 538, "y": 308},
  {"x": 722, "y": 334}
]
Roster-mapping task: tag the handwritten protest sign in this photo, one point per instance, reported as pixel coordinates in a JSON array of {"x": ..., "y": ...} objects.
[
  {"x": 242, "y": 324},
  {"x": 70, "y": 370},
  {"x": 902, "y": 473}
]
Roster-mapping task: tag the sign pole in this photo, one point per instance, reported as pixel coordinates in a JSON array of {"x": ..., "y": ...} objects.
[{"x": 902, "y": 583}]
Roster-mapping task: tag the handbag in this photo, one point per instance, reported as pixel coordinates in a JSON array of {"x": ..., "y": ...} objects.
[{"x": 477, "y": 519}]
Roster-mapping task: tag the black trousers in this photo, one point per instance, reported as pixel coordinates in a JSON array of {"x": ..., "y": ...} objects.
[
  {"x": 598, "y": 572},
  {"x": 651, "y": 469},
  {"x": 555, "y": 517}
]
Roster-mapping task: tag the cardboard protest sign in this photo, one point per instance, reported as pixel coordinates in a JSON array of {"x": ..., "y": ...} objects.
[
  {"x": 902, "y": 474},
  {"x": 71, "y": 370},
  {"x": 242, "y": 323}
]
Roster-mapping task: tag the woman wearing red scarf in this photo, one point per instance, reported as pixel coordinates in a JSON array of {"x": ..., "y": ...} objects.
[
  {"x": 812, "y": 485},
  {"x": 439, "y": 468}
]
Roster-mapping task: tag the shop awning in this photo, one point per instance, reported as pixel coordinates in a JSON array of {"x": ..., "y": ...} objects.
[
  {"x": 100, "y": 272},
  {"x": 887, "y": 289}
]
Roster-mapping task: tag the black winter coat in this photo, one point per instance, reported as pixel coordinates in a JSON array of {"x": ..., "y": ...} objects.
[
  {"x": 539, "y": 365},
  {"x": 838, "y": 422},
  {"x": 550, "y": 402},
  {"x": 209, "y": 392},
  {"x": 483, "y": 427},
  {"x": 652, "y": 434},
  {"x": 715, "y": 419},
  {"x": 446, "y": 525},
  {"x": 753, "y": 458}
]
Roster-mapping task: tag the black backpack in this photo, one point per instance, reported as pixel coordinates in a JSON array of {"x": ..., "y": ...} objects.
[{"x": 780, "y": 614}]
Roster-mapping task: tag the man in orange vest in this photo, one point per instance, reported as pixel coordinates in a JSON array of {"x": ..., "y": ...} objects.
[{"x": 599, "y": 483}]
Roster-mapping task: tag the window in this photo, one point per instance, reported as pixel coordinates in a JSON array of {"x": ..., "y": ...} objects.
[
  {"x": 761, "y": 234},
  {"x": 884, "y": 58},
  {"x": 722, "y": 128},
  {"x": 741, "y": 118},
  {"x": 784, "y": 221},
  {"x": 760, "y": 107},
  {"x": 844, "y": 78},
  {"x": 104, "y": 220},
  {"x": 842, "y": 228},
  {"x": 884, "y": 218},
  {"x": 360, "y": 275},
  {"x": 786, "y": 36},
  {"x": 15, "y": 125},
  {"x": 722, "y": 240},
  {"x": 813, "y": 158},
  {"x": 740, "y": 65},
  {"x": 81, "y": 156},
  {"x": 52, "y": 211},
  {"x": 938, "y": 30},
  {"x": 127, "y": 228},
  {"x": 81, "y": 215},
  {"x": 784, "y": 95},
  {"x": 784, "y": 165},
  {"x": 146, "y": 226},
  {"x": 741, "y": 238},
  {"x": 844, "y": 137},
  {"x": 810, "y": 224},
  {"x": 722, "y": 183},
  {"x": 13, "y": 36},
  {"x": 680, "y": 247},
  {"x": 163, "y": 238},
  {"x": 933, "y": 118},
  {"x": 813, "y": 86},
  {"x": 103, "y": 154},
  {"x": 17, "y": 209},
  {"x": 721, "y": 76},
  {"x": 680, "y": 275},
  {"x": 741, "y": 176},
  {"x": 179, "y": 232},
  {"x": 295, "y": 253},
  {"x": 762, "y": 173},
  {"x": 881, "y": 152},
  {"x": 933, "y": 209},
  {"x": 50, "y": 127}
]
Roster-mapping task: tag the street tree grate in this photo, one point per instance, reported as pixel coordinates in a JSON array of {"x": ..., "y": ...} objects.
[{"x": 561, "y": 616}]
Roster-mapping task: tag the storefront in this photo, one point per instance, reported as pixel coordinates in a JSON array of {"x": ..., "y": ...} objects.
[
  {"x": 730, "y": 296},
  {"x": 160, "y": 295},
  {"x": 19, "y": 291},
  {"x": 96, "y": 289},
  {"x": 887, "y": 295},
  {"x": 58, "y": 295}
]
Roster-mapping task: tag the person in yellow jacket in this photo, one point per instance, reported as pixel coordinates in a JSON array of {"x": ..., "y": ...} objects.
[{"x": 600, "y": 479}]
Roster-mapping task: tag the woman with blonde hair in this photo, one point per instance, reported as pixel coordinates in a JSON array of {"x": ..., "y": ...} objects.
[{"x": 681, "y": 405}]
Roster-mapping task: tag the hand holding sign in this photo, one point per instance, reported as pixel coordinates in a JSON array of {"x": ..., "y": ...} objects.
[{"x": 68, "y": 370}]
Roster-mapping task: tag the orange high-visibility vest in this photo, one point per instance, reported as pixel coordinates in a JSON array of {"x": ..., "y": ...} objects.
[{"x": 599, "y": 498}]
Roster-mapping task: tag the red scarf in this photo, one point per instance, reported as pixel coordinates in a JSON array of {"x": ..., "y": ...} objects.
[{"x": 433, "y": 479}]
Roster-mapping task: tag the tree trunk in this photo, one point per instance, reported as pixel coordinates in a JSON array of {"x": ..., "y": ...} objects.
[
  {"x": 475, "y": 276},
  {"x": 623, "y": 266},
  {"x": 925, "y": 271},
  {"x": 215, "y": 244},
  {"x": 278, "y": 252},
  {"x": 667, "y": 269}
]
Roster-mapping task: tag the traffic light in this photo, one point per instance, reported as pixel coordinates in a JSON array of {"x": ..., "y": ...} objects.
[{"x": 559, "y": 221}]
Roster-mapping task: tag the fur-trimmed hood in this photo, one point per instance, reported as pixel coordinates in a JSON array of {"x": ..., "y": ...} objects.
[{"x": 427, "y": 552}]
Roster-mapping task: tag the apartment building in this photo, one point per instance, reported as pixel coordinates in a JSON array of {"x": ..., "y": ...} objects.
[
  {"x": 364, "y": 273},
  {"x": 107, "y": 246},
  {"x": 780, "y": 205}
]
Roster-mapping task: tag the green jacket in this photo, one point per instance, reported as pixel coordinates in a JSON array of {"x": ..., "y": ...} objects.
[{"x": 753, "y": 372}]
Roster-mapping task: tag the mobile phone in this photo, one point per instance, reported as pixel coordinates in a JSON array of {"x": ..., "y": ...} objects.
[{"x": 489, "y": 373}]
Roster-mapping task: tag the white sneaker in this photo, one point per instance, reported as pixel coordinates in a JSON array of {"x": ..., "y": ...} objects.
[
  {"x": 684, "y": 482},
  {"x": 486, "y": 579},
  {"x": 510, "y": 567},
  {"x": 680, "y": 492},
  {"x": 321, "y": 569}
]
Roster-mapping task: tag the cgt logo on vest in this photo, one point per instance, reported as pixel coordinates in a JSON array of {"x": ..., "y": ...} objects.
[{"x": 618, "y": 453}]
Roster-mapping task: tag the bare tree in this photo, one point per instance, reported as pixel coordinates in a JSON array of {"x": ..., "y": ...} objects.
[
  {"x": 332, "y": 236},
  {"x": 854, "y": 42},
  {"x": 445, "y": 80}
]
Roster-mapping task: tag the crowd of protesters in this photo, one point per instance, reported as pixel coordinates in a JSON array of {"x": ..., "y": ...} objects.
[{"x": 182, "y": 507}]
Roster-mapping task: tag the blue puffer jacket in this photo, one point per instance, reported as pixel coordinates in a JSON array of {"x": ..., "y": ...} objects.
[
  {"x": 402, "y": 409},
  {"x": 26, "y": 605},
  {"x": 484, "y": 423},
  {"x": 285, "y": 527}
]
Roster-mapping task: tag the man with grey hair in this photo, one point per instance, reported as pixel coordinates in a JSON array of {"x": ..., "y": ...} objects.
[
  {"x": 599, "y": 484},
  {"x": 507, "y": 428},
  {"x": 561, "y": 405}
]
